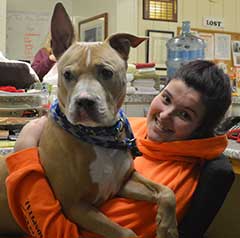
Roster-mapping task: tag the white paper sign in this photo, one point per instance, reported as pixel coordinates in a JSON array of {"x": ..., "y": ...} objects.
[
  {"x": 222, "y": 46},
  {"x": 213, "y": 22}
]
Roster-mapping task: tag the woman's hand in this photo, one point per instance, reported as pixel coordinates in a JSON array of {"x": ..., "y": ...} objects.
[
  {"x": 52, "y": 57},
  {"x": 30, "y": 134}
]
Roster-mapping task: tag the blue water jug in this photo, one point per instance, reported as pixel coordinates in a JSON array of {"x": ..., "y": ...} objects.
[{"x": 183, "y": 48}]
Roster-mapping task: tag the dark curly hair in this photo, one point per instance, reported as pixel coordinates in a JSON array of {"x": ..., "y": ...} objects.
[{"x": 214, "y": 85}]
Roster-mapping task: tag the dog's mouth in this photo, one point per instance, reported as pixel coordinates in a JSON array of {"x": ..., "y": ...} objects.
[
  {"x": 89, "y": 112},
  {"x": 84, "y": 112}
]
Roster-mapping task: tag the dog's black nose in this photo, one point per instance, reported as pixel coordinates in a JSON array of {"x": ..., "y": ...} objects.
[{"x": 85, "y": 103}]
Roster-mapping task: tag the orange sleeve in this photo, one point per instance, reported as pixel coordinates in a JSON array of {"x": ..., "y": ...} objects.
[
  {"x": 37, "y": 211},
  {"x": 31, "y": 200}
]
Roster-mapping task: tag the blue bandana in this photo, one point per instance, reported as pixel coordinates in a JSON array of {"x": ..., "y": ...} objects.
[{"x": 108, "y": 137}]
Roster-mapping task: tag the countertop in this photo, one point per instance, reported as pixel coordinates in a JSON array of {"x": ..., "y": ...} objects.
[
  {"x": 147, "y": 98},
  {"x": 232, "y": 150},
  {"x": 236, "y": 100},
  {"x": 139, "y": 98}
]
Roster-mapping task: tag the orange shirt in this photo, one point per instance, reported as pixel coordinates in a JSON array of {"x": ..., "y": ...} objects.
[{"x": 175, "y": 164}]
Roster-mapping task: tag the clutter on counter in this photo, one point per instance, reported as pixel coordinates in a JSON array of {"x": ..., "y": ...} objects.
[
  {"x": 142, "y": 78},
  {"x": 18, "y": 107}
]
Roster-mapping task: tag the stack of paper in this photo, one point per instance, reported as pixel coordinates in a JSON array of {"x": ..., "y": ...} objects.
[{"x": 145, "y": 78}]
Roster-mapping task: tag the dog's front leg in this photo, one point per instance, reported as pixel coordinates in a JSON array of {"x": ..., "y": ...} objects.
[
  {"x": 140, "y": 188},
  {"x": 90, "y": 218}
]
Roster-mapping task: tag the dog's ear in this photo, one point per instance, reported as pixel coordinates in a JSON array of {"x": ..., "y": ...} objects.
[
  {"x": 122, "y": 42},
  {"x": 62, "y": 32}
]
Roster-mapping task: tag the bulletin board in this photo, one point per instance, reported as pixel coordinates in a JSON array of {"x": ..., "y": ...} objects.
[
  {"x": 26, "y": 33},
  {"x": 222, "y": 47}
]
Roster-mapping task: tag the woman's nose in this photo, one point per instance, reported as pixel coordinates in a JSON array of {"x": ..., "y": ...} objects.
[{"x": 166, "y": 113}]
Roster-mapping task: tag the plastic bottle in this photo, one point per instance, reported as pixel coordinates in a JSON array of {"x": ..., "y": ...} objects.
[
  {"x": 183, "y": 48},
  {"x": 53, "y": 94}
]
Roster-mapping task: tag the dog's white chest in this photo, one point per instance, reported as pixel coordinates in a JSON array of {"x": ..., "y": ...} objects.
[{"x": 108, "y": 171}]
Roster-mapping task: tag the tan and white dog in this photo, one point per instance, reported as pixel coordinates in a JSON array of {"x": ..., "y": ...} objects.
[{"x": 91, "y": 90}]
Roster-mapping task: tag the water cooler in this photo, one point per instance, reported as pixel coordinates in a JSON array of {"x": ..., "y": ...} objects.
[{"x": 183, "y": 48}]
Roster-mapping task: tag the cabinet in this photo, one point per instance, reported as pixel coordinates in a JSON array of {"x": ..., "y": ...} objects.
[{"x": 226, "y": 223}]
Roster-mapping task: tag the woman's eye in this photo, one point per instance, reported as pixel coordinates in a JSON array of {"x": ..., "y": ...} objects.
[
  {"x": 166, "y": 99},
  {"x": 107, "y": 74},
  {"x": 184, "y": 115}
]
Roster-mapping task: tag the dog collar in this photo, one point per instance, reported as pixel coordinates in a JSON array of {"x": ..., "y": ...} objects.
[{"x": 108, "y": 137}]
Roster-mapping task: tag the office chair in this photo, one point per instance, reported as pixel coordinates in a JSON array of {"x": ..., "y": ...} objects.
[{"x": 215, "y": 181}]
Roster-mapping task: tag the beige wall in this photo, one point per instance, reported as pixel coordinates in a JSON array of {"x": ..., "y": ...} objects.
[
  {"x": 3, "y": 5},
  {"x": 194, "y": 11},
  {"x": 83, "y": 9},
  {"x": 18, "y": 24},
  {"x": 122, "y": 15},
  {"x": 45, "y": 6},
  {"x": 126, "y": 15}
]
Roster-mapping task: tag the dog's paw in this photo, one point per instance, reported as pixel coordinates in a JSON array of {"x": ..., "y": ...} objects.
[
  {"x": 166, "y": 215},
  {"x": 167, "y": 233},
  {"x": 173, "y": 233},
  {"x": 127, "y": 233},
  {"x": 165, "y": 230},
  {"x": 166, "y": 227}
]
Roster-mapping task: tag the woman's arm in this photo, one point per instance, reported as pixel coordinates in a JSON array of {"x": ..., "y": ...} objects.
[
  {"x": 31, "y": 199},
  {"x": 30, "y": 134},
  {"x": 30, "y": 196}
]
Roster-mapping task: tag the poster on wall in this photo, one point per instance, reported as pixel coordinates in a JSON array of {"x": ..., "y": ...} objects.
[
  {"x": 94, "y": 28},
  {"x": 236, "y": 53},
  {"x": 209, "y": 41},
  {"x": 156, "y": 47},
  {"x": 222, "y": 46},
  {"x": 26, "y": 33}
]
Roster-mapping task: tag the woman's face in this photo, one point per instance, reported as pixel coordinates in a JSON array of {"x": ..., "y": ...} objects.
[{"x": 175, "y": 113}]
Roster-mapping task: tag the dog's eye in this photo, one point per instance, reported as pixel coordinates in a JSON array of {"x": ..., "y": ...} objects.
[
  {"x": 68, "y": 75},
  {"x": 106, "y": 73}
]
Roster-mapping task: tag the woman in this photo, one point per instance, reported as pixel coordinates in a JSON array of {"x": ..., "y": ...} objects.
[
  {"x": 44, "y": 59},
  {"x": 176, "y": 139}
]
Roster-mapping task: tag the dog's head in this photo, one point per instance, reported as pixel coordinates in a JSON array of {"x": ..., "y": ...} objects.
[{"x": 91, "y": 76}]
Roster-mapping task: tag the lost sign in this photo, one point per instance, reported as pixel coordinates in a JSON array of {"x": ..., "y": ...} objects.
[{"x": 213, "y": 23}]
